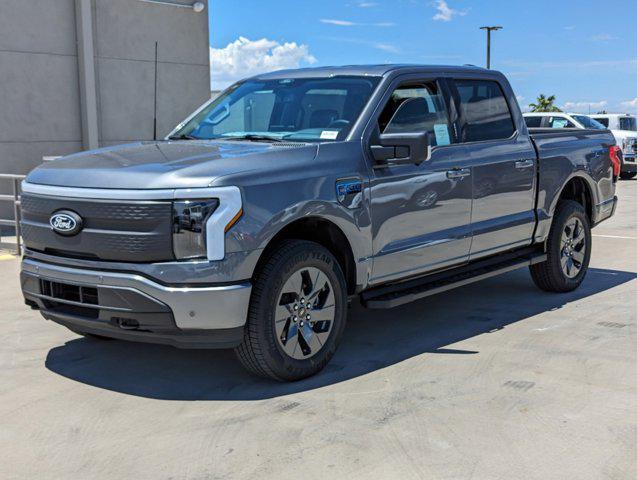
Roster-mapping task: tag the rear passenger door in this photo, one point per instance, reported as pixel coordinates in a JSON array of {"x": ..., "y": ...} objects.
[{"x": 503, "y": 163}]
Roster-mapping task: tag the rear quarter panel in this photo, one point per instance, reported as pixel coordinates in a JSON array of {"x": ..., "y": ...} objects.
[{"x": 568, "y": 154}]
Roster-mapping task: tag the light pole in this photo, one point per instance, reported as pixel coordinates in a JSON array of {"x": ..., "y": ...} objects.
[{"x": 489, "y": 30}]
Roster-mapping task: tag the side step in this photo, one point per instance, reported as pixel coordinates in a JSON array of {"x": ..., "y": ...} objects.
[{"x": 395, "y": 294}]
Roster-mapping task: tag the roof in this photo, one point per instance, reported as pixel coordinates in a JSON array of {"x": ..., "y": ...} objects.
[{"x": 364, "y": 70}]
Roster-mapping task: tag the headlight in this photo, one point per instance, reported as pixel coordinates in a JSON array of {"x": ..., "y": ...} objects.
[{"x": 189, "y": 227}]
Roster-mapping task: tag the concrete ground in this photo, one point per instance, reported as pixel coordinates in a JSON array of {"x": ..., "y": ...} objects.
[{"x": 492, "y": 381}]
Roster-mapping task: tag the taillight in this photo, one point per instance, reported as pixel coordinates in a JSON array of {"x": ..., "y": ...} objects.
[{"x": 615, "y": 154}]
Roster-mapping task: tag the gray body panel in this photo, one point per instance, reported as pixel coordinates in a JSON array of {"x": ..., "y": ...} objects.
[{"x": 392, "y": 227}]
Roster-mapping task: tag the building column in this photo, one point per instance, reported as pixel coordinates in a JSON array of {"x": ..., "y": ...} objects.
[{"x": 86, "y": 70}]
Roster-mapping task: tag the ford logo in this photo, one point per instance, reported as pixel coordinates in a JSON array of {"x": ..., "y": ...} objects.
[{"x": 66, "y": 222}]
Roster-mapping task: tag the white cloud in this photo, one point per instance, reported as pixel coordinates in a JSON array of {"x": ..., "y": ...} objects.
[
  {"x": 245, "y": 57},
  {"x": 347, "y": 23},
  {"x": 584, "y": 107},
  {"x": 445, "y": 12},
  {"x": 340, "y": 23},
  {"x": 605, "y": 37},
  {"x": 569, "y": 27},
  {"x": 630, "y": 105},
  {"x": 367, "y": 4}
]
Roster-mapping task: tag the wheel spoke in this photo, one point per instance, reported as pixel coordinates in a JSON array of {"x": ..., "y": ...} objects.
[
  {"x": 323, "y": 314},
  {"x": 578, "y": 256},
  {"x": 579, "y": 237}
]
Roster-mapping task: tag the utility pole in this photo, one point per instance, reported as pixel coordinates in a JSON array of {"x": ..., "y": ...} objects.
[{"x": 489, "y": 30}]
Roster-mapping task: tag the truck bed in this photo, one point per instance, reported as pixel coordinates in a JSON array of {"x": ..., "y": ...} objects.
[{"x": 565, "y": 154}]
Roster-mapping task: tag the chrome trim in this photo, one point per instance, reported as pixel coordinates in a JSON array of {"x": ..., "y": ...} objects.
[{"x": 209, "y": 308}]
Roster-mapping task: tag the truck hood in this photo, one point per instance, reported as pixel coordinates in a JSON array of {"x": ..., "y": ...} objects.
[{"x": 167, "y": 164}]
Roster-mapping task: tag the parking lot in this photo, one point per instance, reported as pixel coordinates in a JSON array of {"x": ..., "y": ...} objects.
[{"x": 497, "y": 380}]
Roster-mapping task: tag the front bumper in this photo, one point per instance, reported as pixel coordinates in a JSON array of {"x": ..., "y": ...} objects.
[
  {"x": 132, "y": 307},
  {"x": 629, "y": 164}
]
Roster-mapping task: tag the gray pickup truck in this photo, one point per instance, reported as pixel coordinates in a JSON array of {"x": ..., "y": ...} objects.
[{"x": 259, "y": 217}]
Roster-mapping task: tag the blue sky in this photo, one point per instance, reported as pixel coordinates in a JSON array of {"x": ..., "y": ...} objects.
[{"x": 585, "y": 51}]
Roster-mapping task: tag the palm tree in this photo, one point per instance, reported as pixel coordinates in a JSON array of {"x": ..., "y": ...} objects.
[{"x": 544, "y": 104}]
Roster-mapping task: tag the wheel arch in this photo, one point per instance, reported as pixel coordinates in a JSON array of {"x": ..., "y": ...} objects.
[
  {"x": 324, "y": 232},
  {"x": 578, "y": 189}
]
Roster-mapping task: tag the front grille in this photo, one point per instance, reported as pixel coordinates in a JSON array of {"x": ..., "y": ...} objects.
[
  {"x": 72, "y": 293},
  {"x": 65, "y": 292},
  {"x": 132, "y": 231}
]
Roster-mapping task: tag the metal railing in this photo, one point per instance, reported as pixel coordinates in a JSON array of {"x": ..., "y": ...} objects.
[{"x": 15, "y": 199}]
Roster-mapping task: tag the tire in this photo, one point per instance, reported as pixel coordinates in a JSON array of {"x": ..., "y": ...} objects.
[
  {"x": 551, "y": 275},
  {"x": 627, "y": 175},
  {"x": 273, "y": 327}
]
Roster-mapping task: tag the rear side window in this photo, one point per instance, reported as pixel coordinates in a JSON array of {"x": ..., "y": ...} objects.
[
  {"x": 628, "y": 123},
  {"x": 533, "y": 122},
  {"x": 418, "y": 107},
  {"x": 603, "y": 121},
  {"x": 485, "y": 110}
]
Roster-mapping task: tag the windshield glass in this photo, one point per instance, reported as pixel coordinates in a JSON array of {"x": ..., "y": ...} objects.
[
  {"x": 295, "y": 109},
  {"x": 588, "y": 122},
  {"x": 628, "y": 123}
]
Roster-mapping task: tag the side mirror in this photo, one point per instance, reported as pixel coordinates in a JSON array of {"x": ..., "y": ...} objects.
[{"x": 401, "y": 148}]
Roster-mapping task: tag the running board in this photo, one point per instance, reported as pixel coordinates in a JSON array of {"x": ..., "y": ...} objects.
[{"x": 396, "y": 294}]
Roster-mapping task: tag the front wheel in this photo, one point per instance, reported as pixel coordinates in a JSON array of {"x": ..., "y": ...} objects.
[
  {"x": 568, "y": 249},
  {"x": 627, "y": 175},
  {"x": 297, "y": 313}
]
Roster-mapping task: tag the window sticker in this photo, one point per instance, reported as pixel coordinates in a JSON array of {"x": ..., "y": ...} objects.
[
  {"x": 442, "y": 134},
  {"x": 329, "y": 134}
]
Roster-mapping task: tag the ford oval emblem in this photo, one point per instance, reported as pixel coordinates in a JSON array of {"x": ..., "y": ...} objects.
[{"x": 66, "y": 222}]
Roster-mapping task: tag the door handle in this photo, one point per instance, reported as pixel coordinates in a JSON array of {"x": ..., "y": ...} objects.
[
  {"x": 521, "y": 164},
  {"x": 458, "y": 173}
]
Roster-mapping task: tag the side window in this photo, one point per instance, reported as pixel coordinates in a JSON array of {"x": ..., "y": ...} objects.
[
  {"x": 560, "y": 122},
  {"x": 417, "y": 107},
  {"x": 533, "y": 122},
  {"x": 603, "y": 121},
  {"x": 485, "y": 111}
]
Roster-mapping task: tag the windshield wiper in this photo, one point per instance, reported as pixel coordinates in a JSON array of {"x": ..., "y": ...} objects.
[
  {"x": 183, "y": 137},
  {"x": 252, "y": 137}
]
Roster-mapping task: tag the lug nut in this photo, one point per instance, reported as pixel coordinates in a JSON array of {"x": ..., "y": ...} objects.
[
  {"x": 294, "y": 318},
  {"x": 307, "y": 317}
]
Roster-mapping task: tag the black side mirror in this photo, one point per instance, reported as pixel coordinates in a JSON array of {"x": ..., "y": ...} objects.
[{"x": 401, "y": 148}]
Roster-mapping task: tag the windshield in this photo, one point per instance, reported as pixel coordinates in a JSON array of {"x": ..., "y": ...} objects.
[
  {"x": 628, "y": 123},
  {"x": 295, "y": 109},
  {"x": 588, "y": 122}
]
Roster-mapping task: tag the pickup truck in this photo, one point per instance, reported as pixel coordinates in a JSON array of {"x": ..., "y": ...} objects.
[
  {"x": 256, "y": 221},
  {"x": 624, "y": 128}
]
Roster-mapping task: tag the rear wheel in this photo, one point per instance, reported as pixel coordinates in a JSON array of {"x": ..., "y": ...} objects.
[
  {"x": 627, "y": 175},
  {"x": 568, "y": 250},
  {"x": 297, "y": 313}
]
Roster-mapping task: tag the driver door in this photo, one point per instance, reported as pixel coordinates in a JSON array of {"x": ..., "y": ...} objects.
[{"x": 421, "y": 214}]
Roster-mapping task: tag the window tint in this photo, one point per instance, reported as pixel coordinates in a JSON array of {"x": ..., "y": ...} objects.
[
  {"x": 588, "y": 122},
  {"x": 485, "y": 110},
  {"x": 628, "y": 123},
  {"x": 560, "y": 122},
  {"x": 533, "y": 122},
  {"x": 603, "y": 121},
  {"x": 417, "y": 108}
]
